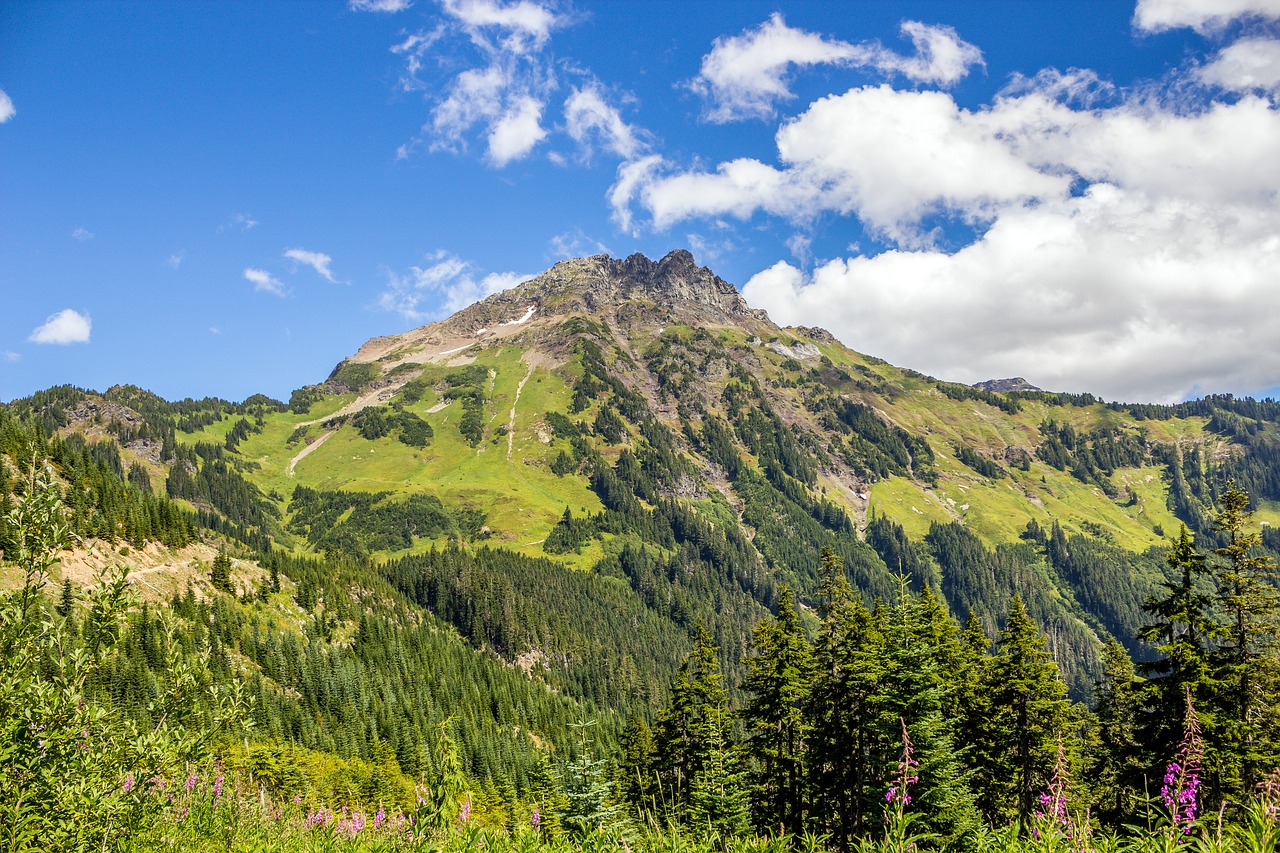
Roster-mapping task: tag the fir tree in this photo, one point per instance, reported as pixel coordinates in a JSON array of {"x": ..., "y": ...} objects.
[
  {"x": 1029, "y": 711},
  {"x": 779, "y": 679},
  {"x": 220, "y": 572}
]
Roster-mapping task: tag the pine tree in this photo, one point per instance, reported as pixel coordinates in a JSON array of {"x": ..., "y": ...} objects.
[
  {"x": 1029, "y": 711},
  {"x": 719, "y": 801},
  {"x": 1182, "y": 633},
  {"x": 1245, "y": 661},
  {"x": 686, "y": 729},
  {"x": 843, "y": 707},
  {"x": 220, "y": 572},
  {"x": 1115, "y": 767},
  {"x": 779, "y": 679}
]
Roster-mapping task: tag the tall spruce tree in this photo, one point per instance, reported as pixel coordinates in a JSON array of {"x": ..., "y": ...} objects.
[
  {"x": 1245, "y": 661},
  {"x": 695, "y": 719},
  {"x": 843, "y": 708},
  {"x": 779, "y": 678},
  {"x": 1029, "y": 711}
]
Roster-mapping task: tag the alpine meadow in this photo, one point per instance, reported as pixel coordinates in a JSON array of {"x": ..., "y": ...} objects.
[{"x": 764, "y": 544}]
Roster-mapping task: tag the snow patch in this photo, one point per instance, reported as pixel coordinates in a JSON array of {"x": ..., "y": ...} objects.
[{"x": 528, "y": 314}]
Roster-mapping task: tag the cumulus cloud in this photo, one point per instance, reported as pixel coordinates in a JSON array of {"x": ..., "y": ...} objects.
[
  {"x": 1200, "y": 15},
  {"x": 516, "y": 130},
  {"x": 66, "y": 327},
  {"x": 1126, "y": 249},
  {"x": 318, "y": 261},
  {"x": 6, "y": 107},
  {"x": 591, "y": 121},
  {"x": 521, "y": 27},
  {"x": 265, "y": 281},
  {"x": 1249, "y": 64},
  {"x": 745, "y": 76},
  {"x": 445, "y": 285},
  {"x": 378, "y": 5}
]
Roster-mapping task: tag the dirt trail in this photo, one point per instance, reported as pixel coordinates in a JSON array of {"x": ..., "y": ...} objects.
[
  {"x": 302, "y": 454},
  {"x": 511, "y": 422}
]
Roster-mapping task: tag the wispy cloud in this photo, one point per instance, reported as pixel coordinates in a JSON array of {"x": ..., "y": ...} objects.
[
  {"x": 238, "y": 222},
  {"x": 175, "y": 260},
  {"x": 6, "y": 107},
  {"x": 745, "y": 76},
  {"x": 66, "y": 327},
  {"x": 11, "y": 356},
  {"x": 82, "y": 234},
  {"x": 265, "y": 281},
  {"x": 444, "y": 285},
  {"x": 591, "y": 121},
  {"x": 318, "y": 261},
  {"x": 387, "y": 6}
]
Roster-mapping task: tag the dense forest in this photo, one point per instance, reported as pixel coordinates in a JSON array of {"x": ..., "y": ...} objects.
[{"x": 735, "y": 659}]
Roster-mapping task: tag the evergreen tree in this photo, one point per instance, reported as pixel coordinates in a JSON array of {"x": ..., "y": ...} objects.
[
  {"x": 719, "y": 801},
  {"x": 1245, "y": 661},
  {"x": 843, "y": 707},
  {"x": 220, "y": 572},
  {"x": 1029, "y": 710},
  {"x": 696, "y": 718},
  {"x": 1115, "y": 767},
  {"x": 778, "y": 680}
]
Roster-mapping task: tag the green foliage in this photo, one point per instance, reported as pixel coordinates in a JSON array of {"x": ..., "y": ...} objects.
[
  {"x": 354, "y": 375},
  {"x": 359, "y": 522}
]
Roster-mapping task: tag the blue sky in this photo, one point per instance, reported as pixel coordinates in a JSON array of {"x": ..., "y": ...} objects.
[{"x": 229, "y": 198}]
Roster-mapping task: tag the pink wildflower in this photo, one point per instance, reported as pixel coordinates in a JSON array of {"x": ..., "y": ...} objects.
[
  {"x": 379, "y": 818},
  {"x": 907, "y": 767},
  {"x": 465, "y": 814},
  {"x": 129, "y": 783},
  {"x": 536, "y": 818},
  {"x": 1182, "y": 778},
  {"x": 191, "y": 782}
]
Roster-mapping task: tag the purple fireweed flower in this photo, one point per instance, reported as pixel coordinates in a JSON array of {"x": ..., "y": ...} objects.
[
  {"x": 464, "y": 814},
  {"x": 906, "y": 776},
  {"x": 1182, "y": 777},
  {"x": 191, "y": 782},
  {"x": 1269, "y": 794},
  {"x": 535, "y": 819},
  {"x": 217, "y": 788},
  {"x": 129, "y": 783},
  {"x": 379, "y": 818}
]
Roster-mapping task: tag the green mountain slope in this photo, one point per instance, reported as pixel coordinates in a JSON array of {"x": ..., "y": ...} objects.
[{"x": 626, "y": 442}]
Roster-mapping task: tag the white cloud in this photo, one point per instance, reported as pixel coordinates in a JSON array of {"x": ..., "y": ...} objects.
[
  {"x": 318, "y": 261},
  {"x": 515, "y": 133},
  {"x": 576, "y": 243},
  {"x": 239, "y": 222},
  {"x": 6, "y": 107},
  {"x": 745, "y": 76},
  {"x": 214, "y": 330},
  {"x": 82, "y": 234},
  {"x": 378, "y": 5},
  {"x": 591, "y": 121},
  {"x": 446, "y": 285},
  {"x": 1247, "y": 65},
  {"x": 503, "y": 97},
  {"x": 1125, "y": 242},
  {"x": 175, "y": 260},
  {"x": 522, "y": 27},
  {"x": 1200, "y": 15},
  {"x": 11, "y": 356},
  {"x": 66, "y": 327},
  {"x": 263, "y": 280}
]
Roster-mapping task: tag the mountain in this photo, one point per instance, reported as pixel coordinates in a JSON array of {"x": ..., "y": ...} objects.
[{"x": 574, "y": 473}]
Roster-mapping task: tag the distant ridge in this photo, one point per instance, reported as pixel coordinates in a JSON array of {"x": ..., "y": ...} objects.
[{"x": 1002, "y": 386}]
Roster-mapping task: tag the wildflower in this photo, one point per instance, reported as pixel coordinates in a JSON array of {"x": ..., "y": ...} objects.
[
  {"x": 379, "y": 818},
  {"x": 464, "y": 814},
  {"x": 535, "y": 819},
  {"x": 1182, "y": 777},
  {"x": 191, "y": 782},
  {"x": 217, "y": 788},
  {"x": 129, "y": 783},
  {"x": 907, "y": 767},
  {"x": 1269, "y": 794}
]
